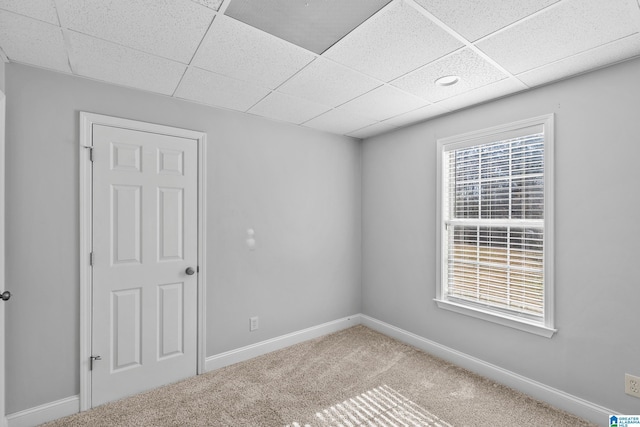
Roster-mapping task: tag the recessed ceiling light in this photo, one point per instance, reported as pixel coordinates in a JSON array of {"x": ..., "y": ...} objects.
[{"x": 447, "y": 80}]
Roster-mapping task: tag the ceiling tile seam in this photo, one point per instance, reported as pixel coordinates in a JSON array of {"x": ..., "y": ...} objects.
[
  {"x": 379, "y": 11},
  {"x": 438, "y": 22},
  {"x": 28, "y": 17},
  {"x": 313, "y": 118},
  {"x": 55, "y": 8},
  {"x": 440, "y": 58},
  {"x": 361, "y": 95},
  {"x": 476, "y": 88},
  {"x": 514, "y": 78},
  {"x": 413, "y": 95},
  {"x": 333, "y": 109},
  {"x": 364, "y": 116},
  {"x": 363, "y": 24},
  {"x": 93, "y": 79},
  {"x": 328, "y": 107},
  {"x": 55, "y": 70},
  {"x": 583, "y": 52},
  {"x": 497, "y": 65},
  {"x": 195, "y": 52},
  {"x": 368, "y": 126},
  {"x": 203, "y": 5},
  {"x": 184, "y": 73},
  {"x": 462, "y": 39},
  {"x": 64, "y": 26},
  {"x": 223, "y": 7},
  {"x": 477, "y": 104},
  {"x": 446, "y": 110},
  {"x": 56, "y": 5},
  {"x": 269, "y": 35},
  {"x": 521, "y": 20},
  {"x": 255, "y": 85},
  {"x": 193, "y": 101},
  {"x": 360, "y": 73},
  {"x": 315, "y": 55},
  {"x": 67, "y": 47},
  {"x": 258, "y": 102},
  {"x": 297, "y": 72},
  {"x": 124, "y": 46}
]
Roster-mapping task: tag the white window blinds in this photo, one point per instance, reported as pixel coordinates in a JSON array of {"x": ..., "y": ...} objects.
[{"x": 495, "y": 224}]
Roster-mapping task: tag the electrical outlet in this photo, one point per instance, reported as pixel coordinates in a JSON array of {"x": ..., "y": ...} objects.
[
  {"x": 253, "y": 323},
  {"x": 632, "y": 385}
]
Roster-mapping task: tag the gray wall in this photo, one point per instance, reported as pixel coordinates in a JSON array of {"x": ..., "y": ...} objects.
[
  {"x": 298, "y": 188},
  {"x": 597, "y": 237}
]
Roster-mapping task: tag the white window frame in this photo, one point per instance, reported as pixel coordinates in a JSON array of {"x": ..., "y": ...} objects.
[{"x": 544, "y": 327}]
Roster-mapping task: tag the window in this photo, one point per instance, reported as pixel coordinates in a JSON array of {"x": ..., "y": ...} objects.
[{"x": 495, "y": 224}]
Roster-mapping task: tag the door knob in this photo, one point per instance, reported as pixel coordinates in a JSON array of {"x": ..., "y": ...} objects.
[
  {"x": 190, "y": 271},
  {"x": 5, "y": 296}
]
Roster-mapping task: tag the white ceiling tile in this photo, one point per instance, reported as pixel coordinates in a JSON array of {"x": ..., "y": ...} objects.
[
  {"x": 211, "y": 4},
  {"x": 395, "y": 41},
  {"x": 109, "y": 62},
  {"x": 374, "y": 129},
  {"x": 237, "y": 50},
  {"x": 418, "y": 115},
  {"x": 220, "y": 91},
  {"x": 485, "y": 93},
  {"x": 169, "y": 28},
  {"x": 592, "y": 59},
  {"x": 383, "y": 103},
  {"x": 473, "y": 70},
  {"x": 474, "y": 19},
  {"x": 287, "y": 108},
  {"x": 32, "y": 42},
  {"x": 327, "y": 83},
  {"x": 43, "y": 10},
  {"x": 340, "y": 122},
  {"x": 563, "y": 30}
]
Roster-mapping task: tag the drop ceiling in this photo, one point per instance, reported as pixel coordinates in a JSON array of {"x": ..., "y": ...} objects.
[{"x": 356, "y": 68}]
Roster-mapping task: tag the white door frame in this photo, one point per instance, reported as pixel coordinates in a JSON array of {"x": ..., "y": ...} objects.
[
  {"x": 3, "y": 415},
  {"x": 87, "y": 120}
]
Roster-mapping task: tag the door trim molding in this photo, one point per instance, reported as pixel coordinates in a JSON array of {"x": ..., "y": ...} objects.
[
  {"x": 87, "y": 120},
  {"x": 3, "y": 284}
]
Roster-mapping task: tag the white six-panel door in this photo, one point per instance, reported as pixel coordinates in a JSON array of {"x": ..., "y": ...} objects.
[{"x": 145, "y": 225}]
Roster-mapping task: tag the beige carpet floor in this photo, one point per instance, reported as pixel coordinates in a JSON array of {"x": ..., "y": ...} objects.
[{"x": 355, "y": 377}]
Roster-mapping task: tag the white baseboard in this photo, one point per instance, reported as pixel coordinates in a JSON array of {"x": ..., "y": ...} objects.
[
  {"x": 245, "y": 353},
  {"x": 565, "y": 401},
  {"x": 43, "y": 413},
  {"x": 559, "y": 399}
]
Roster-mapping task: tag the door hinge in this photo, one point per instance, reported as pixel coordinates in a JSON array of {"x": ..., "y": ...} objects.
[
  {"x": 91, "y": 360},
  {"x": 91, "y": 259},
  {"x": 91, "y": 154}
]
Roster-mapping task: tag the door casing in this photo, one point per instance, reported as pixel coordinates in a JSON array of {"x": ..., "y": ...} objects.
[
  {"x": 3, "y": 284},
  {"x": 87, "y": 121}
]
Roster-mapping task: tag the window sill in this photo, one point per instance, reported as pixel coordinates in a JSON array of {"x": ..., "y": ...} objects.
[{"x": 499, "y": 318}]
